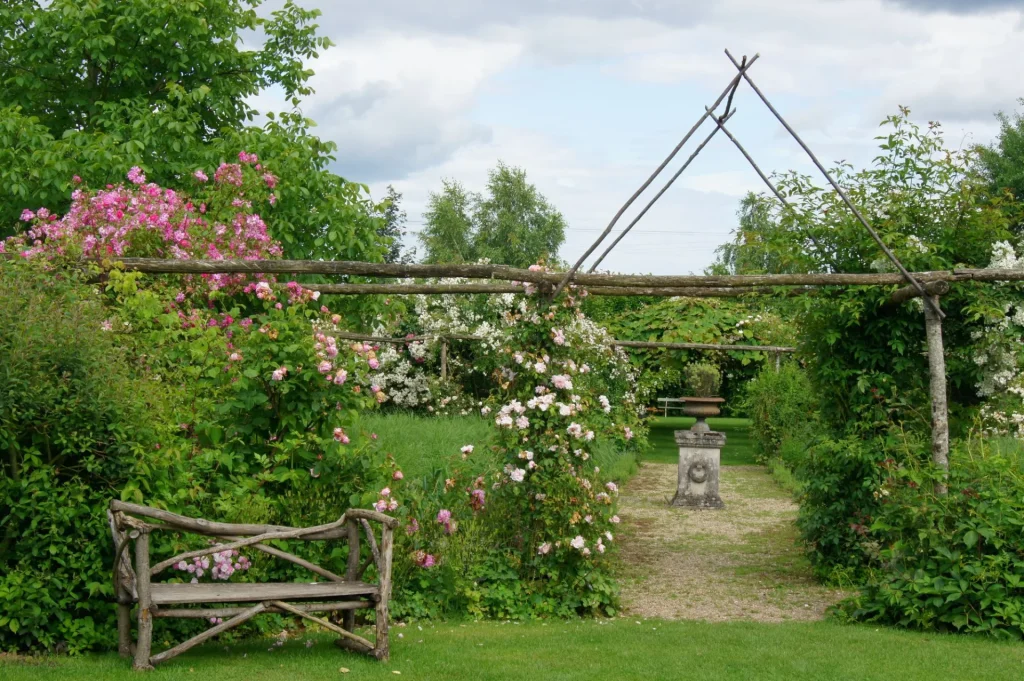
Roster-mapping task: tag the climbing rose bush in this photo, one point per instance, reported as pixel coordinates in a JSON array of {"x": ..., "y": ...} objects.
[
  {"x": 141, "y": 219},
  {"x": 544, "y": 514}
]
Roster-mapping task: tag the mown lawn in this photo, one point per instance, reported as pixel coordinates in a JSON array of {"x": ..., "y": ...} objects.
[
  {"x": 621, "y": 649},
  {"x": 738, "y": 449},
  {"x": 423, "y": 445}
]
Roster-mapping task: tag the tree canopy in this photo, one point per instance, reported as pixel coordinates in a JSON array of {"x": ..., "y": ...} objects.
[
  {"x": 93, "y": 87},
  {"x": 511, "y": 223},
  {"x": 1003, "y": 161}
]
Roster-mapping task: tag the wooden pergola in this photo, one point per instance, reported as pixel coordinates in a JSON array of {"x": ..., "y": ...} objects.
[{"x": 502, "y": 279}]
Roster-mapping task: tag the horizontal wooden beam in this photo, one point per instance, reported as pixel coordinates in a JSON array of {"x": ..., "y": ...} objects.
[
  {"x": 206, "y": 613},
  {"x": 346, "y": 335},
  {"x": 932, "y": 288},
  {"x": 623, "y": 343},
  {"x": 505, "y": 273},
  {"x": 473, "y": 288},
  {"x": 703, "y": 346},
  {"x": 217, "y": 529}
]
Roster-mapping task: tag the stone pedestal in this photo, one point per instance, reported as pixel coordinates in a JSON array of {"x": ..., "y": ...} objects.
[{"x": 700, "y": 453}]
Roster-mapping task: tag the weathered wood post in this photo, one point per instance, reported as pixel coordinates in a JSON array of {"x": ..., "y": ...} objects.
[
  {"x": 936, "y": 370},
  {"x": 444, "y": 360},
  {"x": 143, "y": 644},
  {"x": 124, "y": 629},
  {"x": 778, "y": 361},
  {"x": 381, "y": 648},
  {"x": 937, "y": 379},
  {"x": 352, "y": 571}
]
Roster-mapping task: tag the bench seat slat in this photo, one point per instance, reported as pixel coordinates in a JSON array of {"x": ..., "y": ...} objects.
[{"x": 171, "y": 594}]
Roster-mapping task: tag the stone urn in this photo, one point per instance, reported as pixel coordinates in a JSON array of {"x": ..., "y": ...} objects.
[{"x": 702, "y": 408}]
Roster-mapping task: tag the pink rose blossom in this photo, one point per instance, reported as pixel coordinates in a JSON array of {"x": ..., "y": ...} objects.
[{"x": 136, "y": 176}]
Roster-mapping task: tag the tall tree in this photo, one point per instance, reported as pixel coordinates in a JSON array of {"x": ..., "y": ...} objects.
[
  {"x": 448, "y": 232},
  {"x": 392, "y": 230},
  {"x": 515, "y": 225},
  {"x": 1003, "y": 161},
  {"x": 93, "y": 87},
  {"x": 512, "y": 223},
  {"x": 748, "y": 252}
]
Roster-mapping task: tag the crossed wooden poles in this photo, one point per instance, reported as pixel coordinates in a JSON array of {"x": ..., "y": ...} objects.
[{"x": 727, "y": 94}]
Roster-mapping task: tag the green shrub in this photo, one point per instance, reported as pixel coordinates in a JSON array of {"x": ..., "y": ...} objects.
[
  {"x": 703, "y": 379},
  {"x": 953, "y": 562},
  {"x": 839, "y": 479},
  {"x": 75, "y": 425},
  {"x": 783, "y": 409}
]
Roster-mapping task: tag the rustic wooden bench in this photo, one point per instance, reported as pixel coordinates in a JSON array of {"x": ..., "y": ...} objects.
[{"x": 134, "y": 585}]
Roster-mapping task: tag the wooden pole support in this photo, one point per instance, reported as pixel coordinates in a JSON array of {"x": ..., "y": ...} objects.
[
  {"x": 381, "y": 648},
  {"x": 144, "y": 643},
  {"x": 243, "y": 616},
  {"x": 937, "y": 386},
  {"x": 361, "y": 642},
  {"x": 352, "y": 569},
  {"x": 444, "y": 360}
]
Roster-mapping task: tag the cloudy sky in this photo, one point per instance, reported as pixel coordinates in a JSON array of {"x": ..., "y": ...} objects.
[{"x": 590, "y": 95}]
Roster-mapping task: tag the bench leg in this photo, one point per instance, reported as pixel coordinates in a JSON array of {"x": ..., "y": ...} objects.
[
  {"x": 352, "y": 571},
  {"x": 145, "y": 641},
  {"x": 124, "y": 630},
  {"x": 381, "y": 648}
]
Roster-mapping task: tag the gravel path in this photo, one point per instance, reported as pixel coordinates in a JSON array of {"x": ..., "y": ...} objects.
[{"x": 738, "y": 563}]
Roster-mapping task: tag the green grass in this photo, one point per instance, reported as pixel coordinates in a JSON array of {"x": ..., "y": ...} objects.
[
  {"x": 617, "y": 649},
  {"x": 738, "y": 449},
  {"x": 423, "y": 444}
]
